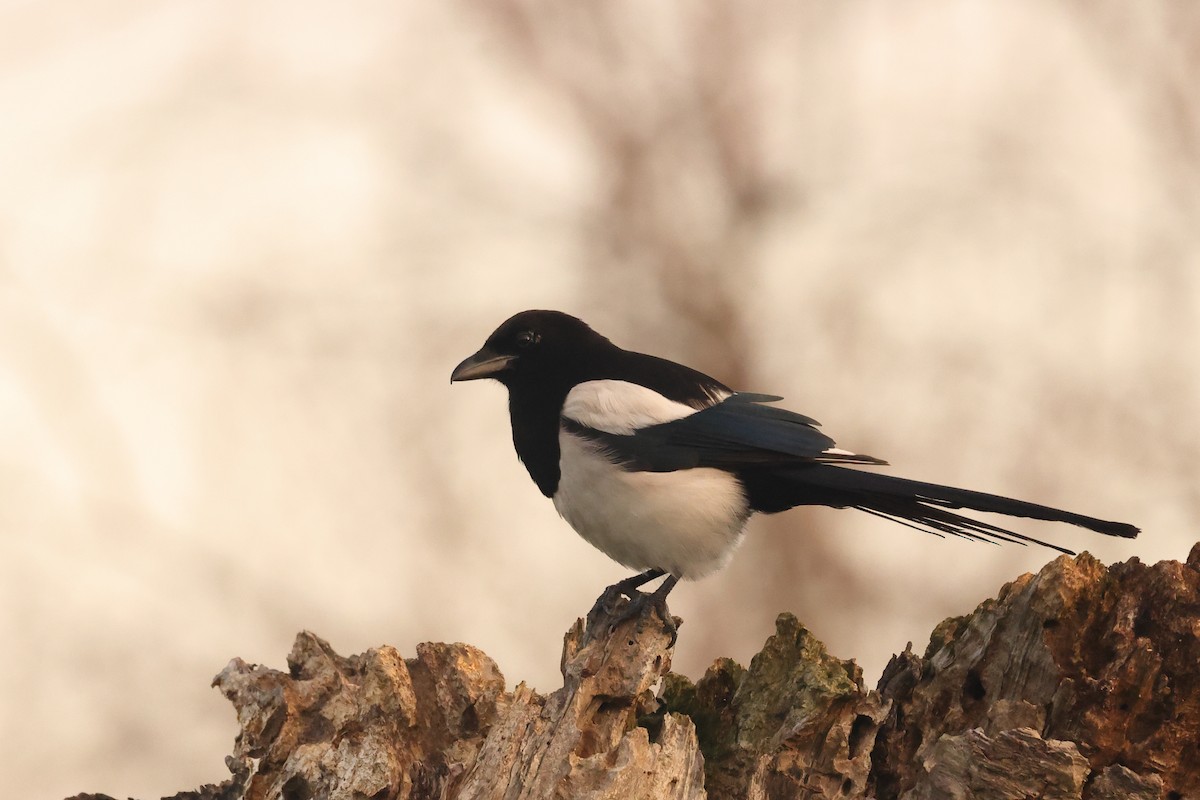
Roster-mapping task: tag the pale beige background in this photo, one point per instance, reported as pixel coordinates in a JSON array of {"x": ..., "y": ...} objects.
[{"x": 243, "y": 244}]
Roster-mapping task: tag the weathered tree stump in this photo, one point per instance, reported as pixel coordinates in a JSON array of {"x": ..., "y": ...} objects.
[{"x": 1079, "y": 682}]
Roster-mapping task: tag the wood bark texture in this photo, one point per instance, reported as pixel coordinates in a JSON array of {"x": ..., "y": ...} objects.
[{"x": 1078, "y": 683}]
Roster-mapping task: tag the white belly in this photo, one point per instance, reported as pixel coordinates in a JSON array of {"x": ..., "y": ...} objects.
[{"x": 687, "y": 522}]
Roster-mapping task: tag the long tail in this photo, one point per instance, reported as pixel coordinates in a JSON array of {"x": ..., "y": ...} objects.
[{"x": 924, "y": 506}]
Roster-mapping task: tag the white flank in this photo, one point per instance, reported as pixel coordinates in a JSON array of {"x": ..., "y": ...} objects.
[
  {"x": 837, "y": 451},
  {"x": 686, "y": 522},
  {"x": 620, "y": 407}
]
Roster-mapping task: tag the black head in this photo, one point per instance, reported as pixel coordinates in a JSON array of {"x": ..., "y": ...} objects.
[{"x": 532, "y": 347}]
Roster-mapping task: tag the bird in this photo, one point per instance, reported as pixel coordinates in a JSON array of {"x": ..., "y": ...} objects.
[{"x": 659, "y": 466}]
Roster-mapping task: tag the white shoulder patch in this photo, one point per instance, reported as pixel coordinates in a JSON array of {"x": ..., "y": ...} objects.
[{"x": 620, "y": 407}]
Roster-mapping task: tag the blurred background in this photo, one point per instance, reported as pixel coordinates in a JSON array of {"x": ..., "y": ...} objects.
[{"x": 243, "y": 245}]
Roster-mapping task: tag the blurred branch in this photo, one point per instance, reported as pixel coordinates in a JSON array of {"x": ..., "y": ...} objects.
[{"x": 665, "y": 97}]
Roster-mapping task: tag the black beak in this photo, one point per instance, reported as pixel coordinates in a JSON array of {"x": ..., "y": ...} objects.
[{"x": 484, "y": 364}]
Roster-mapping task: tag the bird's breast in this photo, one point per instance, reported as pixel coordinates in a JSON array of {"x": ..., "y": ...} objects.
[{"x": 686, "y": 522}]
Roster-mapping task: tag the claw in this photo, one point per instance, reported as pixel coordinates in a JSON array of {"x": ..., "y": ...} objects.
[
  {"x": 638, "y": 601},
  {"x": 607, "y": 599}
]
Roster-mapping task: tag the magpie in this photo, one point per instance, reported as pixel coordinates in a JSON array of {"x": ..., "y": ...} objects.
[{"x": 660, "y": 466}]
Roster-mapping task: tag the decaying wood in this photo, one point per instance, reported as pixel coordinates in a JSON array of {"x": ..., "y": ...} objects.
[
  {"x": 1105, "y": 659},
  {"x": 1078, "y": 683}
]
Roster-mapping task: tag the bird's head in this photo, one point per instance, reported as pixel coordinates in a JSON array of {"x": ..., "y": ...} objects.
[{"x": 532, "y": 347}]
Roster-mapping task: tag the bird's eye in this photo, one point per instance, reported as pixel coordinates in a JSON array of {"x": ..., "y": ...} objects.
[{"x": 527, "y": 338}]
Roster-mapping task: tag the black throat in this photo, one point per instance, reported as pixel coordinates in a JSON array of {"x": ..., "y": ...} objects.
[{"x": 534, "y": 412}]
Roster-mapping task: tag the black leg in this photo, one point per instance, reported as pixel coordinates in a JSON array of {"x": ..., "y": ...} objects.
[
  {"x": 658, "y": 602},
  {"x": 628, "y": 586}
]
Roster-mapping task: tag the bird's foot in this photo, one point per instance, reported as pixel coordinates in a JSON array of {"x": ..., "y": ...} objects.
[
  {"x": 607, "y": 601},
  {"x": 656, "y": 604},
  {"x": 626, "y": 588},
  {"x": 638, "y": 604}
]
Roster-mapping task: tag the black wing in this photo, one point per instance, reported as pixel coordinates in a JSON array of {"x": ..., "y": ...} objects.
[{"x": 738, "y": 432}]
